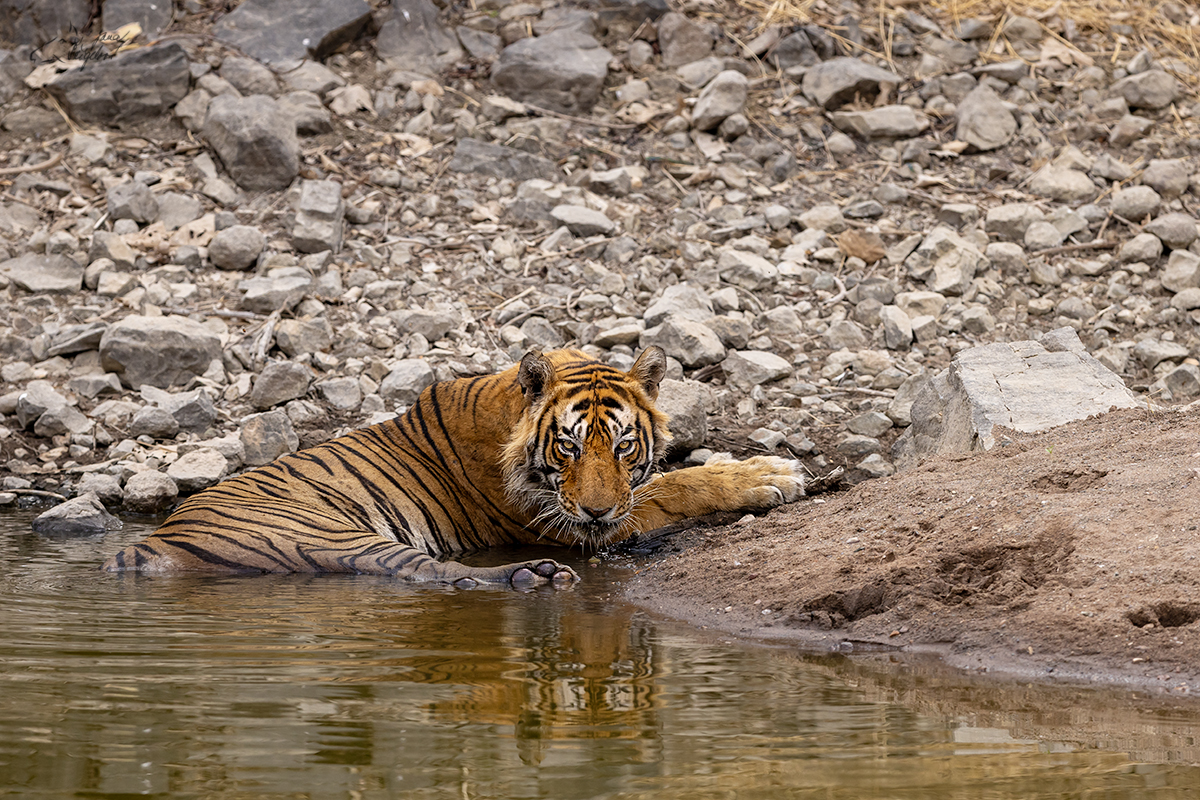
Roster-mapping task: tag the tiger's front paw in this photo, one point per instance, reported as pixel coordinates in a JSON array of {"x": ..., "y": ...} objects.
[
  {"x": 525, "y": 575},
  {"x": 769, "y": 481}
]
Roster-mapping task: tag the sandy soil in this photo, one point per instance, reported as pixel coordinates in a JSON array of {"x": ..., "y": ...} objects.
[{"x": 1072, "y": 554}]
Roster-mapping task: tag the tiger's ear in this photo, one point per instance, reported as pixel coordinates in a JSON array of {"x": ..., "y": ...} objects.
[
  {"x": 535, "y": 375},
  {"x": 649, "y": 370}
]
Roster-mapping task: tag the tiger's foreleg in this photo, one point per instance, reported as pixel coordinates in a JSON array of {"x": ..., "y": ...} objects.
[
  {"x": 406, "y": 562},
  {"x": 722, "y": 484}
]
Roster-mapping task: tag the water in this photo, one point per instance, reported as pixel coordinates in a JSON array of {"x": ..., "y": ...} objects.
[{"x": 358, "y": 687}]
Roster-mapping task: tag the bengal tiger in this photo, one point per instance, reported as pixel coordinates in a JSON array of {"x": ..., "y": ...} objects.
[{"x": 559, "y": 448}]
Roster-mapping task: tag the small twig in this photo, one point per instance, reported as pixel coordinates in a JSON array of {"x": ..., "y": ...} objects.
[
  {"x": 514, "y": 298},
  {"x": 38, "y": 493},
  {"x": 1097, "y": 244},
  {"x": 38, "y": 167},
  {"x": 262, "y": 342},
  {"x": 842, "y": 290},
  {"x": 856, "y": 390},
  {"x": 539, "y": 256},
  {"x": 624, "y": 126}
]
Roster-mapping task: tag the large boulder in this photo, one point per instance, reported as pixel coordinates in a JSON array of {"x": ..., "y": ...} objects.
[
  {"x": 1026, "y": 386},
  {"x": 141, "y": 84},
  {"x": 563, "y": 71},
  {"x": 288, "y": 31},
  {"x": 160, "y": 351},
  {"x": 256, "y": 140}
]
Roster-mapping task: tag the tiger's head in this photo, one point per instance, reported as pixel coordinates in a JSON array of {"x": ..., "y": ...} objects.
[{"x": 588, "y": 438}]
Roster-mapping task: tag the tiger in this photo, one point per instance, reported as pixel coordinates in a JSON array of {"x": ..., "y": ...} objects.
[{"x": 559, "y": 448}]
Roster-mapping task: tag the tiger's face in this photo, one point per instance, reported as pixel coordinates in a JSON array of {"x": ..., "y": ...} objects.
[{"x": 588, "y": 439}]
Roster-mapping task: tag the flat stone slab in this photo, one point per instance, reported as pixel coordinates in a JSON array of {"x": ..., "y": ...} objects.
[
  {"x": 288, "y": 31},
  {"x": 1019, "y": 385}
]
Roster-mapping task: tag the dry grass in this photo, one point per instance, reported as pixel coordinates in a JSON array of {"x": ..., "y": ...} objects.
[{"x": 1093, "y": 26}]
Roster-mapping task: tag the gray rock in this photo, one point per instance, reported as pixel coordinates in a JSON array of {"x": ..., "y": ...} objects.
[
  {"x": 60, "y": 421},
  {"x": 132, "y": 200},
  {"x": 681, "y": 40},
  {"x": 897, "y": 328},
  {"x": 236, "y": 247},
  {"x": 870, "y": 423},
  {"x": 1176, "y": 230},
  {"x": 691, "y": 343},
  {"x": 1152, "y": 352},
  {"x": 747, "y": 368},
  {"x": 794, "y": 50},
  {"x": 92, "y": 386},
  {"x": 1153, "y": 89},
  {"x": 1110, "y": 168},
  {"x": 104, "y": 486},
  {"x": 281, "y": 288},
  {"x": 249, "y": 76},
  {"x": 140, "y": 84},
  {"x": 725, "y": 95},
  {"x": 149, "y": 492},
  {"x": 39, "y": 273},
  {"x": 279, "y": 382},
  {"x": 1183, "y": 382},
  {"x": 1063, "y": 184},
  {"x": 563, "y": 71},
  {"x": 433, "y": 325},
  {"x": 41, "y": 21},
  {"x": 685, "y": 402},
  {"x": 1167, "y": 176},
  {"x": 285, "y": 32},
  {"x": 824, "y": 217},
  {"x": 1186, "y": 299},
  {"x": 160, "y": 351},
  {"x": 984, "y": 121},
  {"x": 582, "y": 221},
  {"x": 299, "y": 336},
  {"x": 157, "y": 423},
  {"x": 1144, "y": 247},
  {"x": 1181, "y": 272},
  {"x": 899, "y": 410},
  {"x": 856, "y": 447},
  {"x": 176, "y": 210},
  {"x": 414, "y": 38},
  {"x": 1135, "y": 203},
  {"x": 479, "y": 44},
  {"x": 73, "y": 339},
  {"x": 541, "y": 333},
  {"x": 845, "y": 334},
  {"x": 946, "y": 262},
  {"x": 886, "y": 122},
  {"x": 920, "y": 304},
  {"x": 1129, "y": 129},
  {"x": 835, "y": 82},
  {"x": 1017, "y": 385},
  {"x": 681, "y": 299},
  {"x": 266, "y": 437},
  {"x": 344, "y": 394},
  {"x": 305, "y": 108},
  {"x": 498, "y": 161},
  {"x": 408, "y": 378},
  {"x": 1011, "y": 220},
  {"x": 255, "y": 139},
  {"x": 38, "y": 398},
  {"x": 319, "y": 216},
  {"x": 1041, "y": 235},
  {"x": 747, "y": 270},
  {"x": 84, "y": 515},
  {"x": 198, "y": 470},
  {"x": 194, "y": 410}
]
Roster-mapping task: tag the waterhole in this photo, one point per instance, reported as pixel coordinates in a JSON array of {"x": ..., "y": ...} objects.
[{"x": 358, "y": 687}]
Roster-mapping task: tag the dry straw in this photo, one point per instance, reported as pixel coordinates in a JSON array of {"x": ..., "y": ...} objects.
[{"x": 1110, "y": 29}]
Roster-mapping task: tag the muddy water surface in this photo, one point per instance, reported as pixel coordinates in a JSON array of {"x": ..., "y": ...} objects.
[{"x": 356, "y": 687}]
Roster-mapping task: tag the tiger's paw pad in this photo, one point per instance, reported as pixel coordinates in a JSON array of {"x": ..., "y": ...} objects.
[{"x": 541, "y": 572}]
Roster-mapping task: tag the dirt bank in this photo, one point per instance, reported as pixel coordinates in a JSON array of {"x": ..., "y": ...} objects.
[{"x": 1072, "y": 555}]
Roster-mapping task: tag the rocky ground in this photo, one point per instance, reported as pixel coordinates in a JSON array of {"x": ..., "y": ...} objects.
[{"x": 217, "y": 249}]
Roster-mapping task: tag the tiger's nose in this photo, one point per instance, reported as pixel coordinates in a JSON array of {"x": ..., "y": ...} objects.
[{"x": 595, "y": 513}]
